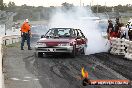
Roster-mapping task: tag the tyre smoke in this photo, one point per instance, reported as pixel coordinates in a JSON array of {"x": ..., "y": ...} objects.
[{"x": 80, "y": 17}]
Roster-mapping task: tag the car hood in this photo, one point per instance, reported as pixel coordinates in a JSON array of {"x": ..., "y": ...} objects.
[
  {"x": 60, "y": 40},
  {"x": 54, "y": 42}
]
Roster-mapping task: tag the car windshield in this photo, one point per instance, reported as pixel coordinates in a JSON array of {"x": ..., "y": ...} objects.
[{"x": 60, "y": 32}]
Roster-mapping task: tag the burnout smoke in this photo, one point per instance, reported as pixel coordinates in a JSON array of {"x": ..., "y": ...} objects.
[{"x": 80, "y": 17}]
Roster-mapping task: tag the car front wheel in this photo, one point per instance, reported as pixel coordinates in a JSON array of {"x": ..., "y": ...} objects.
[
  {"x": 73, "y": 54},
  {"x": 83, "y": 51},
  {"x": 39, "y": 54}
]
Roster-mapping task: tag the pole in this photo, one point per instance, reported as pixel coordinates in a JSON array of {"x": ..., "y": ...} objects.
[
  {"x": 92, "y": 2},
  {"x": 5, "y": 33},
  {"x": 108, "y": 17},
  {"x": 97, "y": 8},
  {"x": 80, "y": 3},
  {"x": 5, "y": 28}
]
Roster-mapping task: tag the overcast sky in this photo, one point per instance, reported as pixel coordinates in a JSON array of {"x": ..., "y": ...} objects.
[{"x": 47, "y": 3}]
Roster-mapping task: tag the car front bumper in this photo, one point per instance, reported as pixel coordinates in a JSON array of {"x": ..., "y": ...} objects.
[{"x": 55, "y": 49}]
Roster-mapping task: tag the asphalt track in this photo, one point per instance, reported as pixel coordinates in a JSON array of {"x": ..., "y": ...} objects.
[{"x": 24, "y": 70}]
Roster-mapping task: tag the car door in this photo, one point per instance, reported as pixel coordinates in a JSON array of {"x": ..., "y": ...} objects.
[
  {"x": 78, "y": 39},
  {"x": 81, "y": 40}
]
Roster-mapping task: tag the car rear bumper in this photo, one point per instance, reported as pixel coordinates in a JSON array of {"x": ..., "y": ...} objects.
[{"x": 59, "y": 49}]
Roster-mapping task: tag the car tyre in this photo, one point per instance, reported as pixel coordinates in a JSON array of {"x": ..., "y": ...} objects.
[
  {"x": 83, "y": 51},
  {"x": 39, "y": 54},
  {"x": 73, "y": 54}
]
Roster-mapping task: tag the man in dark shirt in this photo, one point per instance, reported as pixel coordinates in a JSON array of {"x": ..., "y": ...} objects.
[
  {"x": 117, "y": 28},
  {"x": 110, "y": 29}
]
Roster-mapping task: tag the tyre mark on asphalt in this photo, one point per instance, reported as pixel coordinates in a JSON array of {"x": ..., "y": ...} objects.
[
  {"x": 77, "y": 67},
  {"x": 65, "y": 66},
  {"x": 118, "y": 67},
  {"x": 65, "y": 73},
  {"x": 114, "y": 74},
  {"x": 89, "y": 62},
  {"x": 37, "y": 69}
]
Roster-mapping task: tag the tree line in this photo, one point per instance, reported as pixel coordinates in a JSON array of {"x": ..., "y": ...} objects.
[{"x": 40, "y": 12}]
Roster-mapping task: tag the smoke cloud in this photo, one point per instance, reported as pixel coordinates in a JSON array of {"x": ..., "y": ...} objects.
[{"x": 80, "y": 17}]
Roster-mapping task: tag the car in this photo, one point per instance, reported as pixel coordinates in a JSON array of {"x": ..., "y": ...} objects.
[{"x": 61, "y": 40}]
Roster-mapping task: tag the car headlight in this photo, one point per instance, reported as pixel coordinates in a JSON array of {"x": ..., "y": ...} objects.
[
  {"x": 64, "y": 44},
  {"x": 41, "y": 44}
]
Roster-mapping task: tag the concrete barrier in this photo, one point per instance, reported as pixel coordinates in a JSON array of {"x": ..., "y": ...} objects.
[
  {"x": 121, "y": 47},
  {"x": 1, "y": 76},
  {"x": 118, "y": 46},
  {"x": 128, "y": 54},
  {"x": 11, "y": 39},
  {"x": 6, "y": 40}
]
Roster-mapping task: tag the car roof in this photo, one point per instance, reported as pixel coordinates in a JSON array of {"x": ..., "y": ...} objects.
[{"x": 63, "y": 28}]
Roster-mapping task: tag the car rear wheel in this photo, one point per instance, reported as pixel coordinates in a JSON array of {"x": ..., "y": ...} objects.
[{"x": 73, "y": 54}]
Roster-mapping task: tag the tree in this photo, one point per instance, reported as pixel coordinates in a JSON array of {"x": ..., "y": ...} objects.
[
  {"x": 67, "y": 6},
  {"x": 1, "y": 5}
]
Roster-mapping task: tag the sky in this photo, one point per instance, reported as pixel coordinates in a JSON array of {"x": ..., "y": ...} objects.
[{"x": 48, "y": 3}]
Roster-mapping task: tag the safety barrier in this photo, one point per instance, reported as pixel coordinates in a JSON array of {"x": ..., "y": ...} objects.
[
  {"x": 121, "y": 47},
  {"x": 6, "y": 40},
  {"x": 129, "y": 50},
  {"x": 1, "y": 76},
  {"x": 118, "y": 46},
  {"x": 11, "y": 39}
]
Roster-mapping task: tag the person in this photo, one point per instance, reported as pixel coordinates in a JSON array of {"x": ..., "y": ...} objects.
[
  {"x": 130, "y": 31},
  {"x": 123, "y": 31},
  {"x": 110, "y": 29},
  {"x": 129, "y": 27},
  {"x": 25, "y": 34},
  {"x": 128, "y": 23},
  {"x": 117, "y": 28}
]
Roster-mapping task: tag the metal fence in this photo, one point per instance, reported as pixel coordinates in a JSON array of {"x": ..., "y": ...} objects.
[{"x": 6, "y": 40}]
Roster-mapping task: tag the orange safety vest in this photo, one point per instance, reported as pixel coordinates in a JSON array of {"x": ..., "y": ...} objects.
[{"x": 25, "y": 27}]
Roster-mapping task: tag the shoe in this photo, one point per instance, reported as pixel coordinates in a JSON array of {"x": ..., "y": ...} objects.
[
  {"x": 22, "y": 49},
  {"x": 29, "y": 49}
]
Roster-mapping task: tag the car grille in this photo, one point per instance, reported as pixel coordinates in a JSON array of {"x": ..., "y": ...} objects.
[
  {"x": 61, "y": 49},
  {"x": 45, "y": 49}
]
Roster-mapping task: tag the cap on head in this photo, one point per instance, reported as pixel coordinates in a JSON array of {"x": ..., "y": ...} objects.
[
  {"x": 117, "y": 18},
  {"x": 109, "y": 20}
]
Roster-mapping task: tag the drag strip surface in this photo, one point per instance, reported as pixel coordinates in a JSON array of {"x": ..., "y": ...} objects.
[{"x": 62, "y": 71}]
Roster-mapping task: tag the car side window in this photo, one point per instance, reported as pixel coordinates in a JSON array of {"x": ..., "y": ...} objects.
[
  {"x": 80, "y": 34},
  {"x": 75, "y": 32}
]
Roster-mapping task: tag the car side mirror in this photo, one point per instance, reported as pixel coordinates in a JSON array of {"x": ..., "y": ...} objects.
[{"x": 78, "y": 37}]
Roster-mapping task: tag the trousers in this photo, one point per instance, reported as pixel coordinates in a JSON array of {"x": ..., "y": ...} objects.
[
  {"x": 130, "y": 34},
  {"x": 25, "y": 36}
]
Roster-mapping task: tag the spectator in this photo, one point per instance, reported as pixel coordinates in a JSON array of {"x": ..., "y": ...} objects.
[
  {"x": 130, "y": 31},
  {"x": 123, "y": 31},
  {"x": 117, "y": 28},
  {"x": 25, "y": 34},
  {"x": 110, "y": 29}
]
